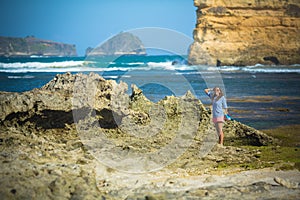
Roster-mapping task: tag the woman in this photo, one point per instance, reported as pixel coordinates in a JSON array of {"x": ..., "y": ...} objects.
[{"x": 218, "y": 103}]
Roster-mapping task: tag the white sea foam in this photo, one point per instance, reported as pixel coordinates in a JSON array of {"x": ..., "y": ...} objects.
[
  {"x": 126, "y": 76},
  {"x": 271, "y": 70},
  {"x": 64, "y": 66},
  {"x": 295, "y": 65},
  {"x": 133, "y": 63},
  {"x": 41, "y": 64},
  {"x": 159, "y": 64},
  {"x": 257, "y": 65},
  {"x": 110, "y": 77},
  {"x": 258, "y": 68},
  {"x": 168, "y": 66},
  {"x": 229, "y": 68},
  {"x": 193, "y": 72},
  {"x": 21, "y": 77},
  {"x": 26, "y": 70},
  {"x": 80, "y": 66}
]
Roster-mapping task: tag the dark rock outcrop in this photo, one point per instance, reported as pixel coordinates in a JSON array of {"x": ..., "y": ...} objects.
[
  {"x": 246, "y": 32},
  {"x": 31, "y": 46}
]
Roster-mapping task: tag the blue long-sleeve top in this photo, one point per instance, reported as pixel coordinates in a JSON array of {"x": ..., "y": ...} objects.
[{"x": 218, "y": 105}]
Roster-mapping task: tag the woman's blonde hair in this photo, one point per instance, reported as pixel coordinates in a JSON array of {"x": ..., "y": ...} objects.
[{"x": 221, "y": 94}]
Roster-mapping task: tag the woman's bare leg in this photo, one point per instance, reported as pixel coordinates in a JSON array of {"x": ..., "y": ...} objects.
[{"x": 219, "y": 127}]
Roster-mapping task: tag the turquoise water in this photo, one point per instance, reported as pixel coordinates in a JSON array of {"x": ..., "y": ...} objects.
[{"x": 270, "y": 94}]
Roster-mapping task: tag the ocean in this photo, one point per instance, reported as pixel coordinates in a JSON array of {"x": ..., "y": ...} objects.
[{"x": 262, "y": 96}]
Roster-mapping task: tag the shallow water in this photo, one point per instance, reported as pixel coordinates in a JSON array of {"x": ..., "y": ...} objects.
[{"x": 260, "y": 96}]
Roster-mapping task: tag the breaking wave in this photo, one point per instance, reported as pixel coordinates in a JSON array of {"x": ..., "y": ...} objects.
[{"x": 101, "y": 65}]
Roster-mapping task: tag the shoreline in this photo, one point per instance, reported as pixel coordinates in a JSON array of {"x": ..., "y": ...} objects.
[{"x": 288, "y": 134}]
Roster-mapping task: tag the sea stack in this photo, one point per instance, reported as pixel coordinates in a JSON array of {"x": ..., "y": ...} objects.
[
  {"x": 246, "y": 32},
  {"x": 123, "y": 43}
]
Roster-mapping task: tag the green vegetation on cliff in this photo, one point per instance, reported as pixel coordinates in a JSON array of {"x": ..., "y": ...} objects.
[{"x": 29, "y": 46}]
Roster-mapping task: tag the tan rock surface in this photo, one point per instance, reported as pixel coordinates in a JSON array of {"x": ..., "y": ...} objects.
[
  {"x": 83, "y": 137},
  {"x": 246, "y": 32}
]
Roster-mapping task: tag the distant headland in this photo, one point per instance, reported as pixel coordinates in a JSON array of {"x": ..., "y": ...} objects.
[
  {"x": 123, "y": 43},
  {"x": 31, "y": 46}
]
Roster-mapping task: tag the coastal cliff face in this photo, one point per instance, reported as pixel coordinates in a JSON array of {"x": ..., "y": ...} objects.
[
  {"x": 246, "y": 32},
  {"x": 31, "y": 46}
]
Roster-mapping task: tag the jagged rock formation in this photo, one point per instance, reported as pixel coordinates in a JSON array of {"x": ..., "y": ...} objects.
[
  {"x": 73, "y": 138},
  {"x": 246, "y": 32},
  {"x": 121, "y": 44},
  {"x": 31, "y": 46}
]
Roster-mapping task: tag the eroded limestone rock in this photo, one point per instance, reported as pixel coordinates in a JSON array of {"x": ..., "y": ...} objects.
[
  {"x": 246, "y": 32},
  {"x": 43, "y": 136}
]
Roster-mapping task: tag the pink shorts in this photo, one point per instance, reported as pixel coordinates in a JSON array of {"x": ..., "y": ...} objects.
[{"x": 218, "y": 119}]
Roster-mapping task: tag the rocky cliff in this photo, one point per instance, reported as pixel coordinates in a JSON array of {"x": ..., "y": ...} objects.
[
  {"x": 31, "y": 46},
  {"x": 246, "y": 32},
  {"x": 121, "y": 44},
  {"x": 82, "y": 137}
]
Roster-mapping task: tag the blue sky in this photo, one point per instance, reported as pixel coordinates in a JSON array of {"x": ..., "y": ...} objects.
[{"x": 90, "y": 22}]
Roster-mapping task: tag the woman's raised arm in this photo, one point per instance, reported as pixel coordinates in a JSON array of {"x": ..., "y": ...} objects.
[{"x": 207, "y": 90}]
